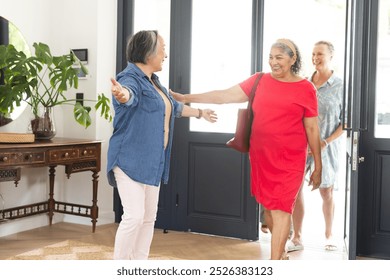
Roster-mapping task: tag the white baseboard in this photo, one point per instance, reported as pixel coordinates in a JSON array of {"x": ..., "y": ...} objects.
[
  {"x": 104, "y": 218},
  {"x": 9, "y": 227},
  {"x": 18, "y": 225}
]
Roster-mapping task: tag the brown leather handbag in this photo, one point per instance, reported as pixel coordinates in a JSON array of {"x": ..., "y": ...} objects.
[{"x": 240, "y": 141}]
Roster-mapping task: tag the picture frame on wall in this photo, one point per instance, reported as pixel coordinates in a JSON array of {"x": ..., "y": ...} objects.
[{"x": 81, "y": 54}]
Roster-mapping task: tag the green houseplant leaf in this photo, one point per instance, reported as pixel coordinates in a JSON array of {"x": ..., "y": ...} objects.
[
  {"x": 81, "y": 114},
  {"x": 43, "y": 80}
]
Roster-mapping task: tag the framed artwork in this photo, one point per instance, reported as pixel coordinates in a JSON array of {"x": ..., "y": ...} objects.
[{"x": 81, "y": 54}]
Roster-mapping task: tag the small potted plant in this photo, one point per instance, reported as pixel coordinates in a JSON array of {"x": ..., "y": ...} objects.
[{"x": 41, "y": 80}]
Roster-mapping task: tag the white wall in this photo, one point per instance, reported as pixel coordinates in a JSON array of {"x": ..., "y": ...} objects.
[{"x": 65, "y": 25}]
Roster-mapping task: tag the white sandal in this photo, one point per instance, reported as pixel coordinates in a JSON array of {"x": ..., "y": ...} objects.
[
  {"x": 291, "y": 246},
  {"x": 330, "y": 245}
]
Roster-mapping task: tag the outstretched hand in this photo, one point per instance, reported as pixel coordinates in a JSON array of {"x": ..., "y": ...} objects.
[
  {"x": 209, "y": 115},
  {"x": 119, "y": 93},
  {"x": 178, "y": 96}
]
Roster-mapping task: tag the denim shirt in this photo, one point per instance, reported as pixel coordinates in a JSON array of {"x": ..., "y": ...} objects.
[{"x": 137, "y": 143}]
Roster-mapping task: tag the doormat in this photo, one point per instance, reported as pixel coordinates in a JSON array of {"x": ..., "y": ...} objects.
[{"x": 74, "y": 250}]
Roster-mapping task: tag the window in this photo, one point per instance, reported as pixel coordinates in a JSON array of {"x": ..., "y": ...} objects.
[
  {"x": 158, "y": 19},
  {"x": 305, "y": 22},
  {"x": 221, "y": 55},
  {"x": 382, "y": 100}
]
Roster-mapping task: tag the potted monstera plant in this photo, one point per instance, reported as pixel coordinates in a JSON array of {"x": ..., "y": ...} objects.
[{"x": 42, "y": 81}]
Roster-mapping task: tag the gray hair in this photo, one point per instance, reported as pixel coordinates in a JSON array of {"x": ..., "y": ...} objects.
[
  {"x": 296, "y": 67},
  {"x": 142, "y": 45}
]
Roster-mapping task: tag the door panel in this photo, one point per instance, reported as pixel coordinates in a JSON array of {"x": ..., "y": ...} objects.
[
  {"x": 374, "y": 196},
  {"x": 218, "y": 192},
  {"x": 209, "y": 188},
  {"x": 218, "y": 198},
  {"x": 382, "y": 195},
  {"x": 373, "y": 238}
]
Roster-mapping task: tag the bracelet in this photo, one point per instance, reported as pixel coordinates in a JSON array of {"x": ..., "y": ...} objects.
[
  {"x": 200, "y": 114},
  {"x": 326, "y": 143}
]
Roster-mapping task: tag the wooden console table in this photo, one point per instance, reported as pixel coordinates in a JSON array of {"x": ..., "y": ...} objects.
[{"x": 76, "y": 155}]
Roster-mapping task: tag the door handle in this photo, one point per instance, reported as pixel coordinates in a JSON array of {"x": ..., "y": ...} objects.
[{"x": 355, "y": 158}]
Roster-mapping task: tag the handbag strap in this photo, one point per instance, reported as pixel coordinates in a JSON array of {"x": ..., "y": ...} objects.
[
  {"x": 253, "y": 91},
  {"x": 252, "y": 95}
]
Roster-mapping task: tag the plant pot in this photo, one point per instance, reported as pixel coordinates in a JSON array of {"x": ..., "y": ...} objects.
[{"x": 43, "y": 126}]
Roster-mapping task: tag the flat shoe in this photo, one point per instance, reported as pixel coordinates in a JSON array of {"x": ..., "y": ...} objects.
[
  {"x": 285, "y": 257},
  {"x": 264, "y": 228},
  {"x": 291, "y": 247},
  {"x": 330, "y": 245}
]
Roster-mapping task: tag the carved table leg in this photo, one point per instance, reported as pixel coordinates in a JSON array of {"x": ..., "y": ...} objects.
[
  {"x": 51, "y": 202},
  {"x": 95, "y": 208}
]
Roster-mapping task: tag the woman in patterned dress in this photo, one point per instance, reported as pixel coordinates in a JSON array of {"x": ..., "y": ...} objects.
[
  {"x": 285, "y": 122},
  {"x": 330, "y": 98}
]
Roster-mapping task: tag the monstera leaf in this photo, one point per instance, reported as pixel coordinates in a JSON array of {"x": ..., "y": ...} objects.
[{"x": 43, "y": 80}]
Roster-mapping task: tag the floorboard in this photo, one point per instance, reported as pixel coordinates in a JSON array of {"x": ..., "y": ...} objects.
[
  {"x": 173, "y": 244},
  {"x": 193, "y": 246}
]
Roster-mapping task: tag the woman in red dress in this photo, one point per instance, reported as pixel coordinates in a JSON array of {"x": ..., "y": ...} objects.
[{"x": 284, "y": 124}]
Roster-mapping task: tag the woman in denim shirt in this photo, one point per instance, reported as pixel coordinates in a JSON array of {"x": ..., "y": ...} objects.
[{"x": 140, "y": 147}]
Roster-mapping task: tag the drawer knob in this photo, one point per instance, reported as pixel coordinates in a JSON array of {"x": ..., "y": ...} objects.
[
  {"x": 66, "y": 155},
  {"x": 85, "y": 152},
  {"x": 27, "y": 157},
  {"x": 5, "y": 158}
]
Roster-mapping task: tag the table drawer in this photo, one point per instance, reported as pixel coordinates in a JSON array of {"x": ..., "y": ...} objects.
[
  {"x": 63, "y": 155},
  {"x": 88, "y": 151},
  {"x": 15, "y": 158}
]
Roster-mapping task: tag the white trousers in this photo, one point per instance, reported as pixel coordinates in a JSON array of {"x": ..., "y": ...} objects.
[{"x": 135, "y": 232}]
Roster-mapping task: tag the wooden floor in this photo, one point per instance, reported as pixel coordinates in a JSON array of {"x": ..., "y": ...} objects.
[
  {"x": 175, "y": 245},
  {"x": 193, "y": 246}
]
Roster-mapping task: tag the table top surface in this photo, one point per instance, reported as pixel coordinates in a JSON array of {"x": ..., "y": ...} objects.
[{"x": 56, "y": 141}]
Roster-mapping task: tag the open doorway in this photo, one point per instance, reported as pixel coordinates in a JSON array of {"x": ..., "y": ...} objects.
[{"x": 310, "y": 21}]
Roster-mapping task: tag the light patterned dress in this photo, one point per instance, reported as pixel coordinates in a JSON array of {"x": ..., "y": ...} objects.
[{"x": 330, "y": 106}]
